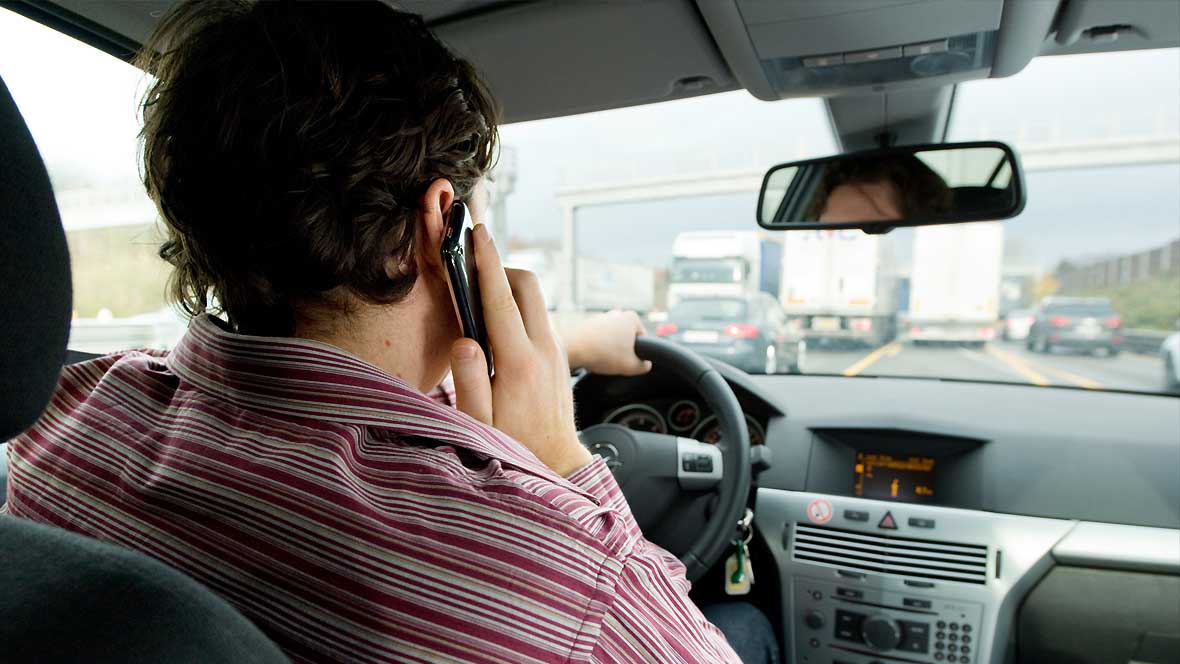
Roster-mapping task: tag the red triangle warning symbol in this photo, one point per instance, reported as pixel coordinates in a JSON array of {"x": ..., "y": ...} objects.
[{"x": 888, "y": 522}]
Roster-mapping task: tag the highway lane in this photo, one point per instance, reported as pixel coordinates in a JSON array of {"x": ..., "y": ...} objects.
[{"x": 1000, "y": 361}]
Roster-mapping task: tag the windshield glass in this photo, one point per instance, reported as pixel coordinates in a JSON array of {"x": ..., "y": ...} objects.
[
  {"x": 1079, "y": 308},
  {"x": 652, "y": 208},
  {"x": 669, "y": 192},
  {"x": 701, "y": 309},
  {"x": 704, "y": 270}
]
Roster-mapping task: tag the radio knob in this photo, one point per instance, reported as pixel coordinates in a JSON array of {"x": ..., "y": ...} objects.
[
  {"x": 881, "y": 633},
  {"x": 814, "y": 619}
]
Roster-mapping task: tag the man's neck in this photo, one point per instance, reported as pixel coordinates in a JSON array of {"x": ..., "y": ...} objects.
[{"x": 396, "y": 339}]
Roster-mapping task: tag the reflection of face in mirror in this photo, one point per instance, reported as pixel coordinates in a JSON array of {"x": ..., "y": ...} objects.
[
  {"x": 860, "y": 201},
  {"x": 890, "y": 188}
]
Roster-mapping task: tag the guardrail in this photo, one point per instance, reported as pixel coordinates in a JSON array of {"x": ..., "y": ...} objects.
[{"x": 1144, "y": 341}]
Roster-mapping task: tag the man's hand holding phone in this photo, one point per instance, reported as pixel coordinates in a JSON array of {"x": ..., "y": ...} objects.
[{"x": 530, "y": 397}]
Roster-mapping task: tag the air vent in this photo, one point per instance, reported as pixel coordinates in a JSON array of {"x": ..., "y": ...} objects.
[{"x": 882, "y": 554}]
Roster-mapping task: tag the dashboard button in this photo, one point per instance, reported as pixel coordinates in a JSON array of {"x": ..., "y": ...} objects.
[
  {"x": 966, "y": 639},
  {"x": 916, "y": 603},
  {"x": 939, "y": 656},
  {"x": 921, "y": 523},
  {"x": 967, "y": 629},
  {"x": 856, "y": 515},
  {"x": 850, "y": 593},
  {"x": 955, "y": 626},
  {"x": 888, "y": 522},
  {"x": 941, "y": 625},
  {"x": 814, "y": 619}
]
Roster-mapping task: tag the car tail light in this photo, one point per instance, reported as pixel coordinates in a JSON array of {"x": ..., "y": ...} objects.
[
  {"x": 741, "y": 331},
  {"x": 1114, "y": 322},
  {"x": 915, "y": 330},
  {"x": 664, "y": 329},
  {"x": 1059, "y": 321},
  {"x": 988, "y": 333},
  {"x": 861, "y": 324}
]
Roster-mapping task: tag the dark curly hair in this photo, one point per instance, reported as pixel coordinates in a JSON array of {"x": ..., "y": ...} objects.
[
  {"x": 287, "y": 145},
  {"x": 922, "y": 193}
]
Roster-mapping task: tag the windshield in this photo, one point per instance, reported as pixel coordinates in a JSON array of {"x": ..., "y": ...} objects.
[
  {"x": 701, "y": 309},
  {"x": 671, "y": 189},
  {"x": 705, "y": 270},
  {"x": 1079, "y": 309},
  {"x": 652, "y": 208}
]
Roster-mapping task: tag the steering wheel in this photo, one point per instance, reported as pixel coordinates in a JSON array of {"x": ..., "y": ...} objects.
[{"x": 672, "y": 481}]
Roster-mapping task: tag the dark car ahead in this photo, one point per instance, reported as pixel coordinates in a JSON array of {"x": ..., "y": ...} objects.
[
  {"x": 749, "y": 332},
  {"x": 1080, "y": 323}
]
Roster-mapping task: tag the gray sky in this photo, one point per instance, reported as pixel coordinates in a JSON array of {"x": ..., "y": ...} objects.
[{"x": 80, "y": 105}]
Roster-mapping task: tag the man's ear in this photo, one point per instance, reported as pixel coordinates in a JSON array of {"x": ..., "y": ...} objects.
[{"x": 434, "y": 209}]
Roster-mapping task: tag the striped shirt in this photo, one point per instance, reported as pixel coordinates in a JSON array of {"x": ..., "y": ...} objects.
[{"x": 350, "y": 516}]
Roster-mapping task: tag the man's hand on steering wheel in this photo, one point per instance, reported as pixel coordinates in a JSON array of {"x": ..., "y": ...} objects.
[{"x": 605, "y": 344}]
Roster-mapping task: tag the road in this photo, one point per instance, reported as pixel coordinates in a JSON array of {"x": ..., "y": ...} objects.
[{"x": 1000, "y": 361}]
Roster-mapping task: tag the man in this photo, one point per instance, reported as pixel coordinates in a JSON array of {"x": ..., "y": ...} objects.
[
  {"x": 303, "y": 157},
  {"x": 880, "y": 189}
]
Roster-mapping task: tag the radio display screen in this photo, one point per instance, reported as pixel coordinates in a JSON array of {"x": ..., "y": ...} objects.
[{"x": 894, "y": 477}]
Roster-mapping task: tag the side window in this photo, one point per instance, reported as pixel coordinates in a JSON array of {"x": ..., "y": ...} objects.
[{"x": 80, "y": 105}]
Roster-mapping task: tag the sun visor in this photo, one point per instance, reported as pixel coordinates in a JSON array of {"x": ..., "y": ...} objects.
[{"x": 807, "y": 48}]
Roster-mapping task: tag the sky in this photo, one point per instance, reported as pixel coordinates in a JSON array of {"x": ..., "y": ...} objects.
[{"x": 80, "y": 105}]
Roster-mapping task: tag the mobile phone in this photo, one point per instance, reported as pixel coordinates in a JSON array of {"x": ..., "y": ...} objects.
[{"x": 458, "y": 255}]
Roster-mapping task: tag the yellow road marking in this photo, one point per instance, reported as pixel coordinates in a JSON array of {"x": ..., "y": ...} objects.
[
  {"x": 891, "y": 349},
  {"x": 1081, "y": 381},
  {"x": 1017, "y": 365}
]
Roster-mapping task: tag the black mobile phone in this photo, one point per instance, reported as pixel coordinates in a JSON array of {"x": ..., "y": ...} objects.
[{"x": 458, "y": 255}]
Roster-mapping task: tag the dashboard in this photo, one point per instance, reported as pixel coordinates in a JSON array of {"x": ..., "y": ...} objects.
[{"x": 930, "y": 522}]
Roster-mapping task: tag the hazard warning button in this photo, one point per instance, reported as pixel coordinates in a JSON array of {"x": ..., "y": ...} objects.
[{"x": 888, "y": 522}]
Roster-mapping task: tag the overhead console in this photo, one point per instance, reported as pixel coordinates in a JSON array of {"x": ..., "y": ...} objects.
[{"x": 825, "y": 47}]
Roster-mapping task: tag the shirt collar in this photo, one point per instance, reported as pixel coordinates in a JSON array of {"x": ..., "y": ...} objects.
[{"x": 308, "y": 379}]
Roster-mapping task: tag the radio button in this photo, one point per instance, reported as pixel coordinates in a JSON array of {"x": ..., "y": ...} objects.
[
  {"x": 856, "y": 515},
  {"x": 850, "y": 593},
  {"x": 916, "y": 603},
  {"x": 814, "y": 619},
  {"x": 916, "y": 522},
  {"x": 881, "y": 633}
]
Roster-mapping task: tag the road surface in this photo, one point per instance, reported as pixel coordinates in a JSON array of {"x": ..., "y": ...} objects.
[{"x": 1000, "y": 361}]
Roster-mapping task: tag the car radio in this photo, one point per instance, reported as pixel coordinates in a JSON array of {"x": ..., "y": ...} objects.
[{"x": 844, "y": 624}]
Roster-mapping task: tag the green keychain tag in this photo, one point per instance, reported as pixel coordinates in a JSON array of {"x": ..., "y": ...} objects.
[{"x": 738, "y": 575}]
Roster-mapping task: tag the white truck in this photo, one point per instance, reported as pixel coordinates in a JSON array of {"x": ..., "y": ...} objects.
[
  {"x": 724, "y": 263},
  {"x": 955, "y": 283},
  {"x": 840, "y": 286}
]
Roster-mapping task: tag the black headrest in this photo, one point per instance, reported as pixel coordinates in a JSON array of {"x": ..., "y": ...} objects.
[{"x": 35, "y": 294}]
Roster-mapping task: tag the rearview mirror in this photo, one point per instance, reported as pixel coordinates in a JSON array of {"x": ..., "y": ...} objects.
[{"x": 878, "y": 190}]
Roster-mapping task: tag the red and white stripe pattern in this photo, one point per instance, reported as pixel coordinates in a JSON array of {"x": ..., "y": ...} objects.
[{"x": 351, "y": 517}]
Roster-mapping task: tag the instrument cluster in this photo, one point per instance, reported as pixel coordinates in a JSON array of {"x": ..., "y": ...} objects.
[{"x": 679, "y": 417}]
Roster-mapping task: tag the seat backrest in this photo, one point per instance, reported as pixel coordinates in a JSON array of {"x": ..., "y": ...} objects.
[{"x": 64, "y": 597}]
